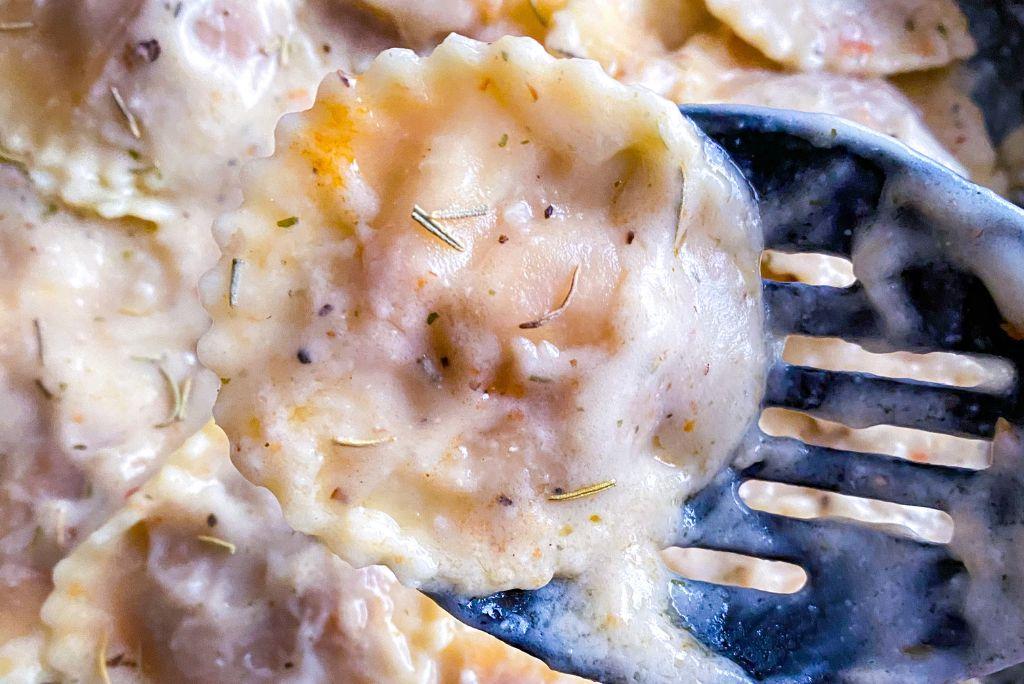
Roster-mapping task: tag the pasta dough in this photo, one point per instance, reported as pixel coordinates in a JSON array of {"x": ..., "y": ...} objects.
[
  {"x": 198, "y": 578},
  {"x": 867, "y": 37},
  {"x": 416, "y": 399}
]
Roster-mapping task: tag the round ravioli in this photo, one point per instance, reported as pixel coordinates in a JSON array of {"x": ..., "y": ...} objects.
[
  {"x": 126, "y": 106},
  {"x": 489, "y": 317},
  {"x": 634, "y": 40},
  {"x": 422, "y": 25},
  {"x": 711, "y": 69},
  {"x": 875, "y": 37},
  {"x": 198, "y": 578},
  {"x": 943, "y": 99}
]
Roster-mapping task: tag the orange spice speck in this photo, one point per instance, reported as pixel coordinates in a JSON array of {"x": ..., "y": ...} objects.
[{"x": 688, "y": 426}]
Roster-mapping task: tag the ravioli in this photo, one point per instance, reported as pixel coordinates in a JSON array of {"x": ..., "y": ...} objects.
[
  {"x": 98, "y": 378},
  {"x": 436, "y": 402},
  {"x": 198, "y": 578},
  {"x": 865, "y": 37},
  {"x": 628, "y": 37},
  {"x": 127, "y": 107},
  {"x": 421, "y": 25},
  {"x": 712, "y": 72},
  {"x": 942, "y": 97}
]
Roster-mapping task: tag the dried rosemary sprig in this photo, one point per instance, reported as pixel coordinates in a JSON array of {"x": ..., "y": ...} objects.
[
  {"x": 217, "y": 541},
  {"x": 558, "y": 310},
  {"x": 236, "y": 275},
  {"x": 423, "y": 218},
  {"x": 583, "y": 491},
  {"x": 354, "y": 442},
  {"x": 133, "y": 124}
]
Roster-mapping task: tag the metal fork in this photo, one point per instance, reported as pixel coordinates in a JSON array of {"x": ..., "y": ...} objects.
[{"x": 877, "y": 606}]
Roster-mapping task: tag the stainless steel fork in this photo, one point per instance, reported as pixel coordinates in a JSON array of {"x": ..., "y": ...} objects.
[{"x": 877, "y": 606}]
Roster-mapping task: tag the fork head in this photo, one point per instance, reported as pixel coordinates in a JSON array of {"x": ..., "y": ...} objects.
[{"x": 938, "y": 259}]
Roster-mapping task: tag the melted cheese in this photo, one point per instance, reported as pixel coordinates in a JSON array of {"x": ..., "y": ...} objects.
[
  {"x": 875, "y": 37},
  {"x": 397, "y": 394},
  {"x": 198, "y": 578}
]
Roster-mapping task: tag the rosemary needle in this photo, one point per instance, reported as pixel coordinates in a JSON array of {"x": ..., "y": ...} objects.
[
  {"x": 583, "y": 491},
  {"x": 423, "y": 218},
  {"x": 456, "y": 214},
  {"x": 101, "y": 659},
  {"x": 133, "y": 124},
  {"x": 236, "y": 275},
  {"x": 680, "y": 231},
  {"x": 362, "y": 442},
  {"x": 557, "y": 311},
  {"x": 175, "y": 398},
  {"x": 217, "y": 541},
  {"x": 40, "y": 349}
]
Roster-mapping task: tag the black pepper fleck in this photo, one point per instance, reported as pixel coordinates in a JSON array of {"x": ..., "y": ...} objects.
[
  {"x": 503, "y": 500},
  {"x": 502, "y": 239},
  {"x": 549, "y": 212},
  {"x": 148, "y": 50},
  {"x": 325, "y": 309},
  {"x": 303, "y": 356},
  {"x": 630, "y": 237},
  {"x": 211, "y": 520},
  {"x": 445, "y": 362}
]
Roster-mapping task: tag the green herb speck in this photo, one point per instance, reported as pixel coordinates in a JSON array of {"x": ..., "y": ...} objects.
[{"x": 288, "y": 222}]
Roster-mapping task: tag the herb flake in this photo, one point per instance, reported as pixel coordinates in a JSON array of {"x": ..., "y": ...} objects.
[
  {"x": 456, "y": 214},
  {"x": 431, "y": 226},
  {"x": 288, "y": 222},
  {"x": 133, "y": 123},
  {"x": 361, "y": 443},
  {"x": 558, "y": 310},
  {"x": 40, "y": 347},
  {"x": 217, "y": 541},
  {"x": 582, "y": 492},
  {"x": 236, "y": 275}
]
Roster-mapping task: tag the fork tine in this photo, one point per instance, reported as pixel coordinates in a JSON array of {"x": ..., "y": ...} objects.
[
  {"x": 955, "y": 318},
  {"x": 525, "y": 619},
  {"x": 820, "y": 310},
  {"x": 811, "y": 198},
  {"x": 872, "y": 476},
  {"x": 912, "y": 619},
  {"x": 862, "y": 400}
]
